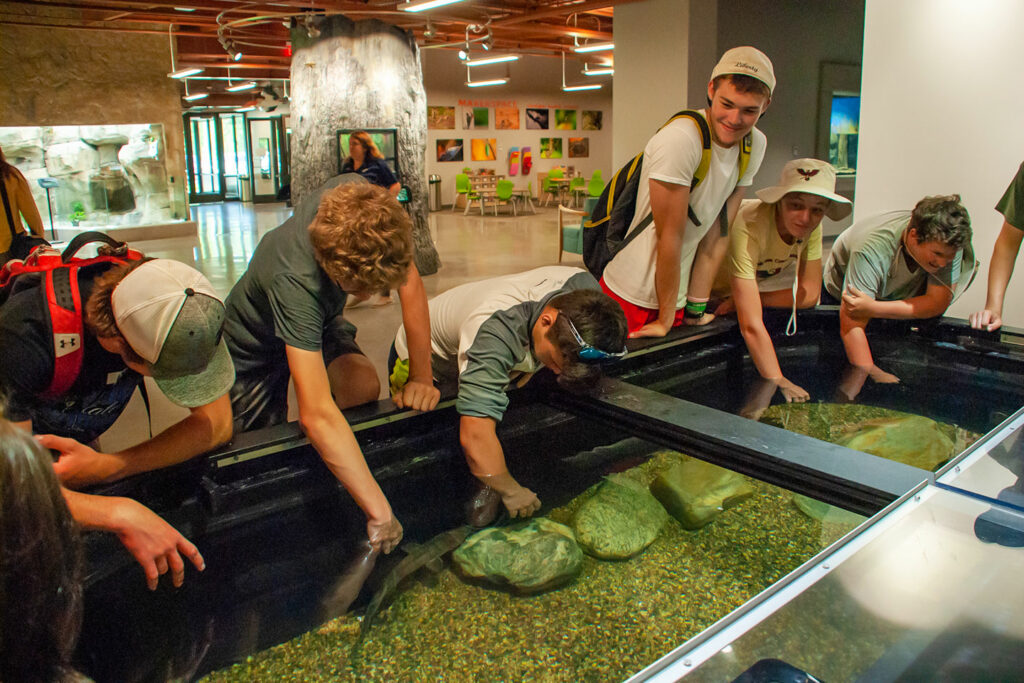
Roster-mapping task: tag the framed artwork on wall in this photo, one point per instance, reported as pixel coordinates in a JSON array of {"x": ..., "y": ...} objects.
[
  {"x": 551, "y": 148},
  {"x": 537, "y": 119},
  {"x": 484, "y": 149},
  {"x": 449, "y": 150},
  {"x": 591, "y": 119},
  {"x": 475, "y": 118},
  {"x": 579, "y": 148},
  {"x": 565, "y": 119},
  {"x": 386, "y": 140},
  {"x": 441, "y": 118},
  {"x": 506, "y": 118}
]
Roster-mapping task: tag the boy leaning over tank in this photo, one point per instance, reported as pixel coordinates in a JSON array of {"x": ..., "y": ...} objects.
[{"x": 486, "y": 335}]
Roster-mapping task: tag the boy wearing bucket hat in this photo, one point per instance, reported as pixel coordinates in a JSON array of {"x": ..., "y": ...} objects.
[
  {"x": 157, "y": 318},
  {"x": 650, "y": 276},
  {"x": 901, "y": 265},
  {"x": 775, "y": 257}
]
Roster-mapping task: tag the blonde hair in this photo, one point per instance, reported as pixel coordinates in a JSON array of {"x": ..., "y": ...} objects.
[
  {"x": 367, "y": 142},
  {"x": 362, "y": 237}
]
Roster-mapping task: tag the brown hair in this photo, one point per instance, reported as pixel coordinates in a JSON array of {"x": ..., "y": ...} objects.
[
  {"x": 99, "y": 309},
  {"x": 362, "y": 237},
  {"x": 367, "y": 142},
  {"x": 6, "y": 169},
  {"x": 40, "y": 565},
  {"x": 600, "y": 322},
  {"x": 743, "y": 84},
  {"x": 942, "y": 219}
]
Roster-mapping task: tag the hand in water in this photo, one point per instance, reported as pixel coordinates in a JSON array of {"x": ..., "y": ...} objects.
[{"x": 384, "y": 535}]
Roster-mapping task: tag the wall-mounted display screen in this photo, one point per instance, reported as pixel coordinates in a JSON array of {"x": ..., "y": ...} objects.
[
  {"x": 844, "y": 127},
  {"x": 386, "y": 140}
]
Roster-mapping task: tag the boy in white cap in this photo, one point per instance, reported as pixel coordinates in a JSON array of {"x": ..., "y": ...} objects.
[
  {"x": 901, "y": 265},
  {"x": 774, "y": 257},
  {"x": 157, "y": 318},
  {"x": 650, "y": 276}
]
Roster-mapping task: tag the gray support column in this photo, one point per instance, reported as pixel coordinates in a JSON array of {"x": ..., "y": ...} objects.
[{"x": 360, "y": 75}]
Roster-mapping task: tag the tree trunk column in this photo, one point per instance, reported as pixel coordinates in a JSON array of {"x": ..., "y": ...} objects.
[{"x": 358, "y": 75}]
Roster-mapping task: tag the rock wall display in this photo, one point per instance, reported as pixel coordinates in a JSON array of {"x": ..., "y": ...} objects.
[
  {"x": 359, "y": 75},
  {"x": 60, "y": 77}
]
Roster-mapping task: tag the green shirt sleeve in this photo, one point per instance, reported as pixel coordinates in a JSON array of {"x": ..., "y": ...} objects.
[{"x": 1012, "y": 203}]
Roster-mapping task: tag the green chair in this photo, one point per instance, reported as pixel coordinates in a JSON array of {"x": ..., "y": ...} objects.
[
  {"x": 577, "y": 187},
  {"x": 550, "y": 188},
  {"x": 503, "y": 196},
  {"x": 570, "y": 235},
  {"x": 461, "y": 187},
  {"x": 596, "y": 185}
]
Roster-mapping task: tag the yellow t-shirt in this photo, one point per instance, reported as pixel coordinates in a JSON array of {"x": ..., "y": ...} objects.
[{"x": 757, "y": 251}]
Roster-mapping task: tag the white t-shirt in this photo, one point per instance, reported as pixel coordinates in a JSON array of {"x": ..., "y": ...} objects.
[{"x": 673, "y": 156}]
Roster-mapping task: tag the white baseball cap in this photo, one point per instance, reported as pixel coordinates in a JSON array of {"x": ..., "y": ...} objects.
[
  {"x": 748, "y": 61},
  {"x": 171, "y": 316},
  {"x": 811, "y": 176}
]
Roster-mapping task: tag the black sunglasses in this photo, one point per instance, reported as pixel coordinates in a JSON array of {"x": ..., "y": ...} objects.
[{"x": 591, "y": 353}]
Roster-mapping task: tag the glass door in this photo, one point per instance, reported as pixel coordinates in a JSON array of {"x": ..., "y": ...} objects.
[
  {"x": 204, "y": 149},
  {"x": 265, "y": 158}
]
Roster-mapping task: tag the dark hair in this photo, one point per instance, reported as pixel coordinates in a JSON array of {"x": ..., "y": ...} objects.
[
  {"x": 40, "y": 568},
  {"x": 600, "y": 322},
  {"x": 743, "y": 84},
  {"x": 942, "y": 219},
  {"x": 6, "y": 169},
  {"x": 99, "y": 309}
]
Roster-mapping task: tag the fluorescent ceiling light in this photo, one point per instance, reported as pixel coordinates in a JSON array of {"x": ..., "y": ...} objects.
[
  {"x": 498, "y": 59},
  {"x": 570, "y": 88},
  {"x": 599, "y": 72},
  {"x": 595, "y": 47},
  {"x": 493, "y": 81},
  {"x": 185, "y": 9},
  {"x": 241, "y": 109},
  {"x": 424, "y": 5},
  {"x": 196, "y": 96},
  {"x": 242, "y": 86},
  {"x": 182, "y": 73}
]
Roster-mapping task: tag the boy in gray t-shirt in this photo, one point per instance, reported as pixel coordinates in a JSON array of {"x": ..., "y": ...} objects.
[{"x": 901, "y": 264}]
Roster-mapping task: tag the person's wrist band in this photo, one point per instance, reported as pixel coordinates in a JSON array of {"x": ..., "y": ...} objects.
[{"x": 694, "y": 308}]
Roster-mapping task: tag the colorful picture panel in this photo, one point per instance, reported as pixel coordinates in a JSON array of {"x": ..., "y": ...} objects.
[
  {"x": 579, "y": 148},
  {"x": 484, "y": 149},
  {"x": 506, "y": 118},
  {"x": 591, "y": 120},
  {"x": 565, "y": 119},
  {"x": 551, "y": 148},
  {"x": 475, "y": 118},
  {"x": 537, "y": 119},
  {"x": 441, "y": 118},
  {"x": 449, "y": 150}
]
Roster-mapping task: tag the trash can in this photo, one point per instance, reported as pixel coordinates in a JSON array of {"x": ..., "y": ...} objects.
[
  {"x": 244, "y": 189},
  {"x": 435, "y": 192}
]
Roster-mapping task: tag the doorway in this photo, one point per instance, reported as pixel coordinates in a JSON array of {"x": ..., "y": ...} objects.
[{"x": 217, "y": 150}]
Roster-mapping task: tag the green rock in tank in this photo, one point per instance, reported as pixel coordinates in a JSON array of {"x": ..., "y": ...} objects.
[
  {"x": 530, "y": 558},
  {"x": 696, "y": 492},
  {"x": 618, "y": 519}
]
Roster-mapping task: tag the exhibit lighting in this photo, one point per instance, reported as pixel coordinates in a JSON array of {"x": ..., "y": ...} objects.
[
  {"x": 596, "y": 47},
  {"x": 196, "y": 96},
  {"x": 424, "y": 5},
  {"x": 185, "y": 9},
  {"x": 572, "y": 88},
  {"x": 497, "y": 59},
  {"x": 245, "y": 109},
  {"x": 605, "y": 71},
  {"x": 242, "y": 86},
  {"x": 183, "y": 73},
  {"x": 493, "y": 81}
]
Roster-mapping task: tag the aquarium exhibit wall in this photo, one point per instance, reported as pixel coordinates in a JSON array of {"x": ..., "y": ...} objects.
[
  {"x": 726, "y": 512},
  {"x": 95, "y": 177}
]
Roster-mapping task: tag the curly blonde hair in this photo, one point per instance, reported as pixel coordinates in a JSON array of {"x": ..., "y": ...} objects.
[{"x": 362, "y": 237}]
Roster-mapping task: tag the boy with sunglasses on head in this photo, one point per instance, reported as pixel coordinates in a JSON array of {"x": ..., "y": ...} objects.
[{"x": 486, "y": 335}]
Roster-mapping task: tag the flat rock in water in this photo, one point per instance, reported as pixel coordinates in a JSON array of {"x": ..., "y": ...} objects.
[
  {"x": 527, "y": 559},
  {"x": 823, "y": 512},
  {"x": 912, "y": 440},
  {"x": 696, "y": 492},
  {"x": 619, "y": 518}
]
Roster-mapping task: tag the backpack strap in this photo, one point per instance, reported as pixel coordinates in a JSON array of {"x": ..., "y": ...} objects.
[
  {"x": 7, "y": 208},
  {"x": 64, "y": 302}
]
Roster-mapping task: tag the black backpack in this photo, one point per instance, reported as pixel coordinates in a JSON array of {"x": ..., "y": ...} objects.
[{"x": 604, "y": 235}]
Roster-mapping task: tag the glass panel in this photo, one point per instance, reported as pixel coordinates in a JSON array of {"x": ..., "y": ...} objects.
[
  {"x": 91, "y": 177},
  {"x": 951, "y": 390},
  {"x": 995, "y": 468},
  {"x": 263, "y": 144},
  {"x": 205, "y": 156},
  {"x": 273, "y": 579},
  {"x": 935, "y": 595}
]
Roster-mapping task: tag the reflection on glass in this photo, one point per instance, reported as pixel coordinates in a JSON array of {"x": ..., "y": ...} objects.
[{"x": 843, "y": 131}]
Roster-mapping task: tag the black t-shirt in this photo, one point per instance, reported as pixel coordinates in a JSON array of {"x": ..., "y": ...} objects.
[
  {"x": 96, "y": 399},
  {"x": 373, "y": 169}
]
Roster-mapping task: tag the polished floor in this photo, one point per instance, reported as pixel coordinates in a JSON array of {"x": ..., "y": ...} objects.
[{"x": 471, "y": 247}]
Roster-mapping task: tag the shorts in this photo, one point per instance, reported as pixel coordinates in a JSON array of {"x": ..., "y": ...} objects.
[
  {"x": 637, "y": 316},
  {"x": 259, "y": 398}
]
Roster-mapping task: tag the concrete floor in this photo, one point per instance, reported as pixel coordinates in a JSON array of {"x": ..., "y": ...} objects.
[{"x": 471, "y": 247}]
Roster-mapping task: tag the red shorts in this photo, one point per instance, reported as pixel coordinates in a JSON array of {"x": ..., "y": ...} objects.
[{"x": 637, "y": 316}]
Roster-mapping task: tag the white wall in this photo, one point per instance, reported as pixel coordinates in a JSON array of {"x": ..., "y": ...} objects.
[
  {"x": 941, "y": 107},
  {"x": 534, "y": 82}
]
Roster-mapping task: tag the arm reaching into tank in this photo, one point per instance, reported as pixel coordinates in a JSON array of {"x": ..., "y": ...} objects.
[{"x": 486, "y": 460}]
